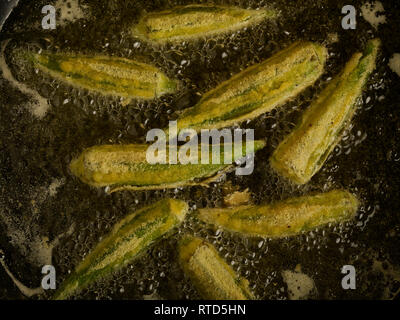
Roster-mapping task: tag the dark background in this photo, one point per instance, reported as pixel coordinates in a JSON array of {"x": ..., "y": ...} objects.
[{"x": 34, "y": 152}]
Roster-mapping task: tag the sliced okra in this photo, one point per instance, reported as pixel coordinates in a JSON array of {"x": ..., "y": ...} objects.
[
  {"x": 129, "y": 238},
  {"x": 257, "y": 89},
  {"x": 284, "y": 218},
  {"x": 116, "y": 76},
  {"x": 209, "y": 272},
  {"x": 128, "y": 166},
  {"x": 197, "y": 20},
  {"x": 304, "y": 151}
]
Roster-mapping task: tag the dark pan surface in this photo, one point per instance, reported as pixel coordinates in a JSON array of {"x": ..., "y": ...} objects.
[{"x": 40, "y": 199}]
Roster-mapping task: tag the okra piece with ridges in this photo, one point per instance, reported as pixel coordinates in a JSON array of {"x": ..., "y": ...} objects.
[
  {"x": 211, "y": 275},
  {"x": 284, "y": 218},
  {"x": 127, "y": 167},
  {"x": 116, "y": 76},
  {"x": 196, "y": 21},
  {"x": 304, "y": 151},
  {"x": 257, "y": 89},
  {"x": 128, "y": 239}
]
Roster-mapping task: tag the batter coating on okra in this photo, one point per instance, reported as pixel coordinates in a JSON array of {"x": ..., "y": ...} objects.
[
  {"x": 284, "y": 218},
  {"x": 128, "y": 239},
  {"x": 212, "y": 276},
  {"x": 303, "y": 152},
  {"x": 117, "y": 76},
  {"x": 195, "y": 21}
]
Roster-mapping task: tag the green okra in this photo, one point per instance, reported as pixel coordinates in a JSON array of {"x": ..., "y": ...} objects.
[
  {"x": 195, "y": 21},
  {"x": 284, "y": 218},
  {"x": 257, "y": 89},
  {"x": 107, "y": 75},
  {"x": 211, "y": 275},
  {"x": 129, "y": 238},
  {"x": 304, "y": 151},
  {"x": 128, "y": 167}
]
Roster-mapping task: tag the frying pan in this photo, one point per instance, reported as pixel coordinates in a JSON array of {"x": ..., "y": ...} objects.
[
  {"x": 41, "y": 204},
  {"x": 5, "y": 9}
]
